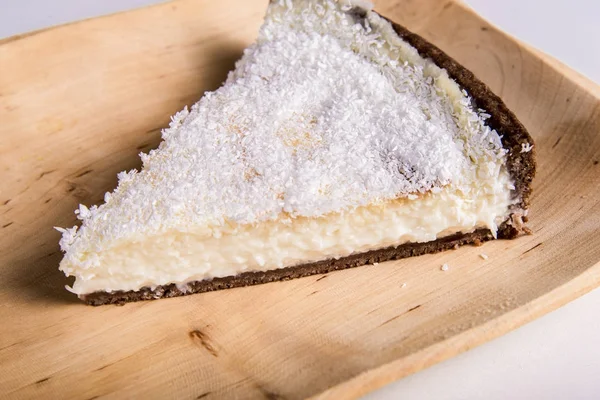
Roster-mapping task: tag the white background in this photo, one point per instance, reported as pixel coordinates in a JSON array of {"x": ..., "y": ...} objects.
[{"x": 554, "y": 357}]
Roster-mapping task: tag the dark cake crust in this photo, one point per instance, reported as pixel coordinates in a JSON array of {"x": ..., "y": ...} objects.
[{"x": 521, "y": 167}]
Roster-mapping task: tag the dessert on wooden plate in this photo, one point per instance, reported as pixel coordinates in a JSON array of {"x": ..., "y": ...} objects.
[{"x": 340, "y": 139}]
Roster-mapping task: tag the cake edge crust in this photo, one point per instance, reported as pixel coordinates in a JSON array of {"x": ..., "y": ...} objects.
[{"x": 521, "y": 167}]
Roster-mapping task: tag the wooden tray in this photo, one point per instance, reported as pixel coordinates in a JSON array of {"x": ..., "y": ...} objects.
[{"x": 79, "y": 102}]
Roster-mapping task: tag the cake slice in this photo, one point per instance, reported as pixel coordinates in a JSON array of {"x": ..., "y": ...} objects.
[{"x": 340, "y": 139}]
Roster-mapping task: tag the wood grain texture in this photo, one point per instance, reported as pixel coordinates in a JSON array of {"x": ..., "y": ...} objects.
[{"x": 78, "y": 102}]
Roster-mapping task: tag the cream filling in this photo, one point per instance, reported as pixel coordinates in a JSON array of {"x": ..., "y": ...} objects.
[{"x": 182, "y": 257}]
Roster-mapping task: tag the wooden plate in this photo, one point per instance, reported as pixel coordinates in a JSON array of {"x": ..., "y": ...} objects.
[{"x": 78, "y": 102}]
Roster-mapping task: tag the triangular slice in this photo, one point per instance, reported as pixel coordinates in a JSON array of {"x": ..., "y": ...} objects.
[{"x": 340, "y": 139}]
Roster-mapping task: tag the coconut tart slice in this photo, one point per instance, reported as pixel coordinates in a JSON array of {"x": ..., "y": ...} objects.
[{"x": 340, "y": 139}]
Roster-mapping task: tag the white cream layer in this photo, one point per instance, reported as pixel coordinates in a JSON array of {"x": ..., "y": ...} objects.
[{"x": 181, "y": 257}]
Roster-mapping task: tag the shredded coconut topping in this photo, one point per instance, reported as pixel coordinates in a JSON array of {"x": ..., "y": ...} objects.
[
  {"x": 526, "y": 147},
  {"x": 326, "y": 112}
]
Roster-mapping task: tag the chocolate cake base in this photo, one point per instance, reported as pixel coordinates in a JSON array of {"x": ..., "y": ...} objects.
[{"x": 284, "y": 274}]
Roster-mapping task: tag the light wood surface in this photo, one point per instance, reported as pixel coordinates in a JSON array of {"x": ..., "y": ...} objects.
[{"x": 78, "y": 102}]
